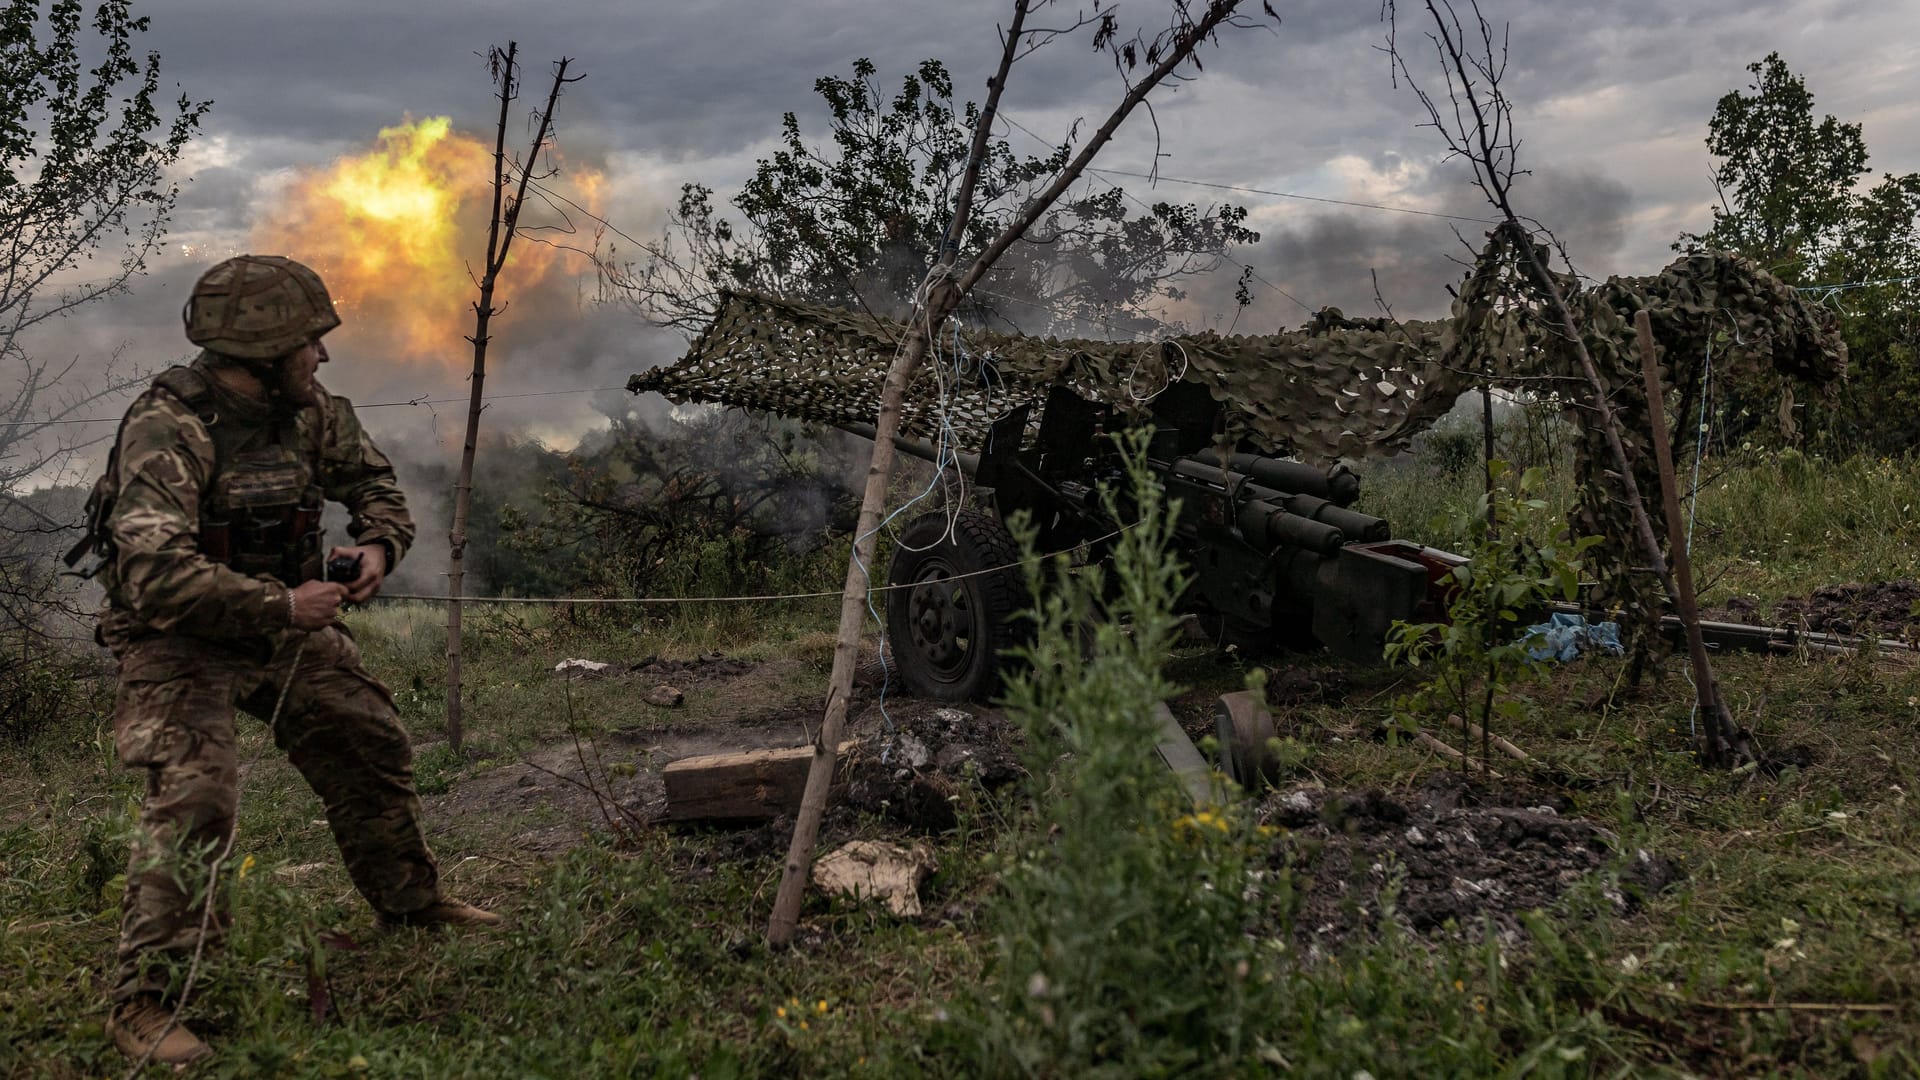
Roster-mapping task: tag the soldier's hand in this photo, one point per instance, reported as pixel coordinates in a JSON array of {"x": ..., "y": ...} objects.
[
  {"x": 373, "y": 570},
  {"x": 316, "y": 603}
]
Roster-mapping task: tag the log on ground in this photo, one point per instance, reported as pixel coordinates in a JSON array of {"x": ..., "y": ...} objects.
[{"x": 745, "y": 786}]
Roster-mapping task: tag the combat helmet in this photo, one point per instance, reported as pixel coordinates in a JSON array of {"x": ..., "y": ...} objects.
[{"x": 258, "y": 307}]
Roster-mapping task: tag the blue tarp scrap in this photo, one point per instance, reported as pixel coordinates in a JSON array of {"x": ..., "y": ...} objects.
[{"x": 1563, "y": 636}]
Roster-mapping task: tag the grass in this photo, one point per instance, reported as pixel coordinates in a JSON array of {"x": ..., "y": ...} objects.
[{"x": 645, "y": 956}]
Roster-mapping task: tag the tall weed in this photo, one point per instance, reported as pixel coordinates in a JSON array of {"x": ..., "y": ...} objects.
[{"x": 1120, "y": 937}]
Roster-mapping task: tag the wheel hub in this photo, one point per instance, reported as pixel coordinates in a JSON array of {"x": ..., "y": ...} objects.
[{"x": 940, "y": 619}]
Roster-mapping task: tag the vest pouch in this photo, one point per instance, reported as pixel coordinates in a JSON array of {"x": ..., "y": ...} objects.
[
  {"x": 216, "y": 541},
  {"x": 263, "y": 508},
  {"x": 308, "y": 564}
]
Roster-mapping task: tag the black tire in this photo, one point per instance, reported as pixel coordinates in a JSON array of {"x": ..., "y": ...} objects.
[{"x": 950, "y": 616}]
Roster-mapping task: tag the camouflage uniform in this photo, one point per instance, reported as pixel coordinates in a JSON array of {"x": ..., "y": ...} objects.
[{"x": 197, "y": 633}]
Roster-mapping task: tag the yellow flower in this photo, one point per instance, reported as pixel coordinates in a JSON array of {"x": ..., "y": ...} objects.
[
  {"x": 780, "y": 1011},
  {"x": 1458, "y": 985},
  {"x": 803, "y": 1025},
  {"x": 246, "y": 866},
  {"x": 821, "y": 1007}
]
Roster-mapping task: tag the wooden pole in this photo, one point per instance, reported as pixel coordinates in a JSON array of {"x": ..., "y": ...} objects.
[
  {"x": 1718, "y": 723},
  {"x": 939, "y": 302},
  {"x": 943, "y": 296}
]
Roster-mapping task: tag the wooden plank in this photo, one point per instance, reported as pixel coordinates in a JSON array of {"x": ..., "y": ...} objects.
[
  {"x": 745, "y": 786},
  {"x": 1183, "y": 757}
]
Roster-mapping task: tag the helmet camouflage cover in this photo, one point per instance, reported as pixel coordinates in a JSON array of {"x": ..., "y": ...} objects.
[{"x": 258, "y": 307}]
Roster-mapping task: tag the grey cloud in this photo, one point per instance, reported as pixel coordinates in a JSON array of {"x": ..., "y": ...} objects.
[
  {"x": 1629, "y": 83},
  {"x": 1339, "y": 258}
]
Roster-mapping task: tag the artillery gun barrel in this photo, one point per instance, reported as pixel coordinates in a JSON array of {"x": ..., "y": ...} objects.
[
  {"x": 1281, "y": 526},
  {"x": 1350, "y": 524},
  {"x": 920, "y": 448},
  {"x": 1338, "y": 486},
  {"x": 1357, "y": 526},
  {"x": 1263, "y": 516}
]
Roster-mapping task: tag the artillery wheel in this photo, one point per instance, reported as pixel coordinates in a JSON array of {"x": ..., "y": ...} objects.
[
  {"x": 1246, "y": 733},
  {"x": 950, "y": 623}
]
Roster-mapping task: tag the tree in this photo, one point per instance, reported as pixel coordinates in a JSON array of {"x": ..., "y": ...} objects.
[
  {"x": 84, "y": 202},
  {"x": 1477, "y": 125},
  {"x": 1144, "y": 62},
  {"x": 1790, "y": 199},
  {"x": 502, "y": 227},
  {"x": 856, "y": 220},
  {"x": 720, "y": 504},
  {"x": 1785, "y": 182}
]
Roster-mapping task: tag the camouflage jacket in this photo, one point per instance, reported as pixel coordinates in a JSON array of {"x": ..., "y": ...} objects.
[{"x": 167, "y": 472}]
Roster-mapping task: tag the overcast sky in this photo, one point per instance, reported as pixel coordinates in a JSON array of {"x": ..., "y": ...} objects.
[{"x": 1613, "y": 98}]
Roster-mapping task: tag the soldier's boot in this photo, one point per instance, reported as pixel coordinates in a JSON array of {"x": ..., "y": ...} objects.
[
  {"x": 443, "y": 912},
  {"x": 144, "y": 1029}
]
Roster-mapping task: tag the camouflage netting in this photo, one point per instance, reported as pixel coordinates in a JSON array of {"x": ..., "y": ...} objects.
[{"x": 1338, "y": 388}]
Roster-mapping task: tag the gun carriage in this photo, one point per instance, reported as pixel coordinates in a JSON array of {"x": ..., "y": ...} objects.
[
  {"x": 1277, "y": 551},
  {"x": 1277, "y": 554}
]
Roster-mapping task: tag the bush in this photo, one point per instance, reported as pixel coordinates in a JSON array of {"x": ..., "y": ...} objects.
[
  {"x": 1518, "y": 562},
  {"x": 42, "y": 686},
  {"x": 1120, "y": 944}
]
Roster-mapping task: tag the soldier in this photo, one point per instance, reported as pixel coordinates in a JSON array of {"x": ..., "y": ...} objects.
[{"x": 207, "y": 522}]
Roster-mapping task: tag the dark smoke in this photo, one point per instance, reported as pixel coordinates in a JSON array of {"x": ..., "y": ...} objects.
[{"x": 1333, "y": 259}]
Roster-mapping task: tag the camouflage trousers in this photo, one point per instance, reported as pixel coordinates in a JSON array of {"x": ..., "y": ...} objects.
[{"x": 174, "y": 717}]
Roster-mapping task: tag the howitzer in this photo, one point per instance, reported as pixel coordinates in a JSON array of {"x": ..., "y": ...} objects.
[{"x": 1278, "y": 556}]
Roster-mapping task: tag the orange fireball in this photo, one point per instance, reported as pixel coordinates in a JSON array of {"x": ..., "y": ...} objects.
[{"x": 399, "y": 233}]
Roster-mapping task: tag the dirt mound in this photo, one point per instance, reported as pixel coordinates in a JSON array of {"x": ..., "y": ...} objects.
[
  {"x": 711, "y": 668},
  {"x": 1451, "y": 864},
  {"x": 1882, "y": 609},
  {"x": 922, "y": 756}
]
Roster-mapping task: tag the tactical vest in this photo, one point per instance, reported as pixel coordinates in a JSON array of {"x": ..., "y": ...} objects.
[{"x": 260, "y": 511}]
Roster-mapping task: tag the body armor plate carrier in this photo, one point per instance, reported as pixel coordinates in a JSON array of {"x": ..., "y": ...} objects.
[{"x": 260, "y": 513}]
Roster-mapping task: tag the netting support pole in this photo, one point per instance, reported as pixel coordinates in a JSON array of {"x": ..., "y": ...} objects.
[{"x": 1718, "y": 725}]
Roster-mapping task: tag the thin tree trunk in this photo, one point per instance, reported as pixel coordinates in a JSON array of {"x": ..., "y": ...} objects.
[
  {"x": 1487, "y": 447},
  {"x": 1486, "y": 148},
  {"x": 942, "y": 299},
  {"x": 501, "y": 228}
]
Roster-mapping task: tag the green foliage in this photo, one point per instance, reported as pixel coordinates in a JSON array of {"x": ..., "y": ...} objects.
[
  {"x": 1455, "y": 449},
  {"x": 1785, "y": 182},
  {"x": 1430, "y": 495},
  {"x": 40, "y": 684},
  {"x": 859, "y": 217},
  {"x": 1771, "y": 524},
  {"x": 1790, "y": 198},
  {"x": 84, "y": 190},
  {"x": 1516, "y": 564},
  {"x": 718, "y": 504},
  {"x": 82, "y": 150},
  {"x": 1120, "y": 944},
  {"x": 1877, "y": 411}
]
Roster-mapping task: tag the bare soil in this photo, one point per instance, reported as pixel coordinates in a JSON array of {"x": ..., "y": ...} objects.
[
  {"x": 1883, "y": 609},
  {"x": 1450, "y": 855},
  {"x": 917, "y": 760}
]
